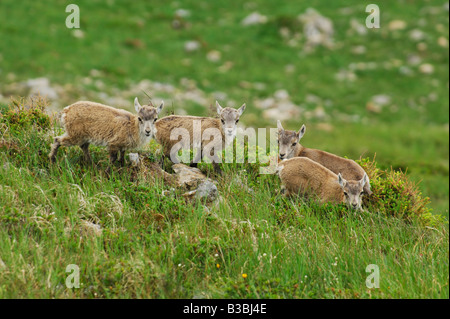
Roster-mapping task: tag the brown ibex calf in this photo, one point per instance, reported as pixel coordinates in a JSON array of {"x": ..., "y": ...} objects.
[
  {"x": 303, "y": 176},
  {"x": 209, "y": 130},
  {"x": 88, "y": 123}
]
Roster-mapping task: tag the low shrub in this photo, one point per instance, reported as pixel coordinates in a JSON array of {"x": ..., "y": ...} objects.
[
  {"x": 395, "y": 195},
  {"x": 24, "y": 113}
]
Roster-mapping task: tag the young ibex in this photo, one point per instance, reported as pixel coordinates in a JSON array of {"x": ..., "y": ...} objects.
[
  {"x": 301, "y": 175},
  {"x": 289, "y": 146},
  {"x": 220, "y": 130},
  {"x": 119, "y": 130}
]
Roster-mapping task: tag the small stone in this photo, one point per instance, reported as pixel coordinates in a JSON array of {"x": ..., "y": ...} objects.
[
  {"x": 281, "y": 95},
  {"x": 214, "y": 56},
  {"x": 207, "y": 190},
  {"x": 226, "y": 67},
  {"x": 395, "y": 25},
  {"x": 182, "y": 13},
  {"x": 358, "y": 27},
  {"x": 374, "y": 108},
  {"x": 254, "y": 18},
  {"x": 426, "y": 68},
  {"x": 191, "y": 46},
  {"x": 134, "y": 159},
  {"x": 381, "y": 99},
  {"x": 417, "y": 35},
  {"x": 317, "y": 29},
  {"x": 443, "y": 42},
  {"x": 77, "y": 33},
  {"x": 414, "y": 59},
  {"x": 422, "y": 46},
  {"x": 405, "y": 70},
  {"x": 188, "y": 177},
  {"x": 95, "y": 73}
]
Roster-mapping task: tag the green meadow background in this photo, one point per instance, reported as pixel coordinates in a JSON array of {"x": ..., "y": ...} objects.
[{"x": 377, "y": 93}]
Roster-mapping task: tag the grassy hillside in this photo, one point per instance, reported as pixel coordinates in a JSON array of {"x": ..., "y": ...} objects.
[
  {"x": 122, "y": 45},
  {"x": 379, "y": 94},
  {"x": 130, "y": 238}
]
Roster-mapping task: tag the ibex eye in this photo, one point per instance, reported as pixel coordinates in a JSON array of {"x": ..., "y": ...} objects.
[
  {"x": 345, "y": 193},
  {"x": 294, "y": 144},
  {"x": 237, "y": 121},
  {"x": 140, "y": 120},
  {"x": 223, "y": 122},
  {"x": 155, "y": 120}
]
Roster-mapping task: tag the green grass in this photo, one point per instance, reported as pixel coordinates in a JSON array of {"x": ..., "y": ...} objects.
[
  {"x": 139, "y": 254},
  {"x": 275, "y": 242},
  {"x": 155, "y": 246}
]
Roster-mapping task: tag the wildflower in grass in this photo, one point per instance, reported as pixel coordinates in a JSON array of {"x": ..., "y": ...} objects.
[
  {"x": 244, "y": 276},
  {"x": 217, "y": 266}
]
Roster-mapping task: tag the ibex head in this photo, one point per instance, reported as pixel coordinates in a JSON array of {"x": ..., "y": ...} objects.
[
  {"x": 288, "y": 141},
  {"x": 229, "y": 118},
  {"x": 353, "y": 191},
  {"x": 147, "y": 116}
]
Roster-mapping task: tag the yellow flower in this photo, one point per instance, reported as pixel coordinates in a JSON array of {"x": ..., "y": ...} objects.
[
  {"x": 244, "y": 276},
  {"x": 217, "y": 265}
]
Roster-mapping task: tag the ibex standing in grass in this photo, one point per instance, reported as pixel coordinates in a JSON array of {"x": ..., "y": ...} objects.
[
  {"x": 215, "y": 130},
  {"x": 303, "y": 176},
  {"x": 93, "y": 123},
  {"x": 289, "y": 146}
]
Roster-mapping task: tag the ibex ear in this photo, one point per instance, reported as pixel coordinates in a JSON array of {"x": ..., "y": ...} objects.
[
  {"x": 137, "y": 106},
  {"x": 159, "y": 108},
  {"x": 301, "y": 132},
  {"x": 280, "y": 127},
  {"x": 242, "y": 109},
  {"x": 341, "y": 180},
  {"x": 219, "y": 108},
  {"x": 364, "y": 180}
]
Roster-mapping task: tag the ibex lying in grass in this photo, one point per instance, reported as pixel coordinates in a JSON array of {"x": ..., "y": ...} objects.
[
  {"x": 119, "y": 130},
  {"x": 289, "y": 146},
  {"x": 219, "y": 130},
  {"x": 301, "y": 175}
]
